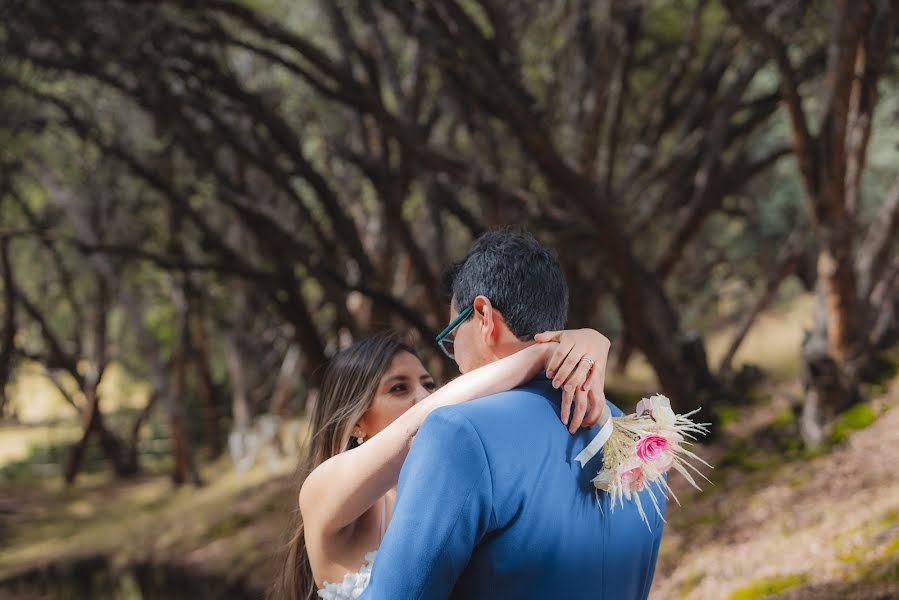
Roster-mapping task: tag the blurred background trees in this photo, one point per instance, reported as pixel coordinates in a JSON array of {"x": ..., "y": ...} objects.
[
  {"x": 217, "y": 195},
  {"x": 201, "y": 201}
]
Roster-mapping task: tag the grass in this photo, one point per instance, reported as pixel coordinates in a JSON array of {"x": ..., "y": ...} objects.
[
  {"x": 727, "y": 414},
  {"x": 773, "y": 342},
  {"x": 856, "y": 418},
  {"x": 885, "y": 568},
  {"x": 744, "y": 456},
  {"x": 690, "y": 584},
  {"x": 767, "y": 586},
  {"x": 34, "y": 400},
  {"x": 19, "y": 442},
  {"x": 135, "y": 520}
]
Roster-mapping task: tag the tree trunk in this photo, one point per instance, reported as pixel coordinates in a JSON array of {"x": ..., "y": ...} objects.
[
  {"x": 205, "y": 385},
  {"x": 829, "y": 388},
  {"x": 76, "y": 453},
  {"x": 8, "y": 336},
  {"x": 286, "y": 381},
  {"x": 130, "y": 459},
  {"x": 93, "y": 418},
  {"x": 239, "y": 437},
  {"x": 185, "y": 469},
  {"x": 109, "y": 443},
  {"x": 296, "y": 311},
  {"x": 652, "y": 325},
  {"x": 837, "y": 276},
  {"x": 831, "y": 164}
]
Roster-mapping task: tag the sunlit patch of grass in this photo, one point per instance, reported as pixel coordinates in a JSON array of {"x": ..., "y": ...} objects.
[
  {"x": 727, "y": 414},
  {"x": 17, "y": 442},
  {"x": 229, "y": 526},
  {"x": 875, "y": 561},
  {"x": 799, "y": 480},
  {"x": 772, "y": 343},
  {"x": 784, "y": 419},
  {"x": 34, "y": 399},
  {"x": 690, "y": 584},
  {"x": 885, "y": 570},
  {"x": 892, "y": 548},
  {"x": 858, "y": 417},
  {"x": 132, "y": 520},
  {"x": 768, "y": 586}
]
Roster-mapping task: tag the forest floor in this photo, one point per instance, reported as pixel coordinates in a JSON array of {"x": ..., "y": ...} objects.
[{"x": 777, "y": 522}]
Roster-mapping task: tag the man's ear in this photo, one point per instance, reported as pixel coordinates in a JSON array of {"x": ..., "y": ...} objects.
[{"x": 486, "y": 318}]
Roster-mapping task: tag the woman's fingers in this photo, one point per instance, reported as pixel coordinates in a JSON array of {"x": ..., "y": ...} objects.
[
  {"x": 548, "y": 336},
  {"x": 581, "y": 373},
  {"x": 596, "y": 377},
  {"x": 567, "y": 399},
  {"x": 596, "y": 403},
  {"x": 580, "y": 409},
  {"x": 568, "y": 366},
  {"x": 556, "y": 361}
]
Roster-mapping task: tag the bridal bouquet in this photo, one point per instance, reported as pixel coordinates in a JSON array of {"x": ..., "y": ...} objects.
[{"x": 640, "y": 448}]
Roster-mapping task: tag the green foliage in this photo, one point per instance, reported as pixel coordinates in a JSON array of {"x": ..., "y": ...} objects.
[
  {"x": 784, "y": 418},
  {"x": 768, "y": 586},
  {"x": 727, "y": 414},
  {"x": 748, "y": 457},
  {"x": 230, "y": 525},
  {"x": 892, "y": 548},
  {"x": 886, "y": 568},
  {"x": 858, "y": 417},
  {"x": 690, "y": 583},
  {"x": 883, "y": 368}
]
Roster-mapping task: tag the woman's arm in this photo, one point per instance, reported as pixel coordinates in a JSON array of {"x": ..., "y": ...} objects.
[{"x": 354, "y": 480}]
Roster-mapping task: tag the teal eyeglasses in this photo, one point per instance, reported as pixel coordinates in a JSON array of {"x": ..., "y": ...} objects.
[{"x": 445, "y": 338}]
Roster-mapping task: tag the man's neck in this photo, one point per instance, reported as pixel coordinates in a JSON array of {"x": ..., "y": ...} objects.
[{"x": 510, "y": 347}]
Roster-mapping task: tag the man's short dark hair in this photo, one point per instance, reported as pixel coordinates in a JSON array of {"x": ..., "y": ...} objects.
[{"x": 522, "y": 279}]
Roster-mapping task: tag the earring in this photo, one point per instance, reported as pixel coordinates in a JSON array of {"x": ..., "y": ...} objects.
[{"x": 360, "y": 438}]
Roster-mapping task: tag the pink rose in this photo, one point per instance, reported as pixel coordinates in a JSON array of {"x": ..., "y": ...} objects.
[
  {"x": 652, "y": 447},
  {"x": 632, "y": 478}
]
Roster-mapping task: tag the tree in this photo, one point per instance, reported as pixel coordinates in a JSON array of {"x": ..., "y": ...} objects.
[{"x": 831, "y": 161}]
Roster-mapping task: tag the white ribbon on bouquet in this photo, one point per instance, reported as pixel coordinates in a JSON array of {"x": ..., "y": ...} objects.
[{"x": 600, "y": 440}]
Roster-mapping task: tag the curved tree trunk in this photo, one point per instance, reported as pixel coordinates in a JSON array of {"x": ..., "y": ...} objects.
[
  {"x": 174, "y": 397},
  {"x": 206, "y": 389},
  {"x": 831, "y": 164},
  {"x": 8, "y": 335}
]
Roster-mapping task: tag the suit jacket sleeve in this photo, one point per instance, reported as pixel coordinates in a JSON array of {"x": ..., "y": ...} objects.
[{"x": 444, "y": 508}]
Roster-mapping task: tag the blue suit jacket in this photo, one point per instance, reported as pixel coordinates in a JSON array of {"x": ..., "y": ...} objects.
[{"x": 492, "y": 505}]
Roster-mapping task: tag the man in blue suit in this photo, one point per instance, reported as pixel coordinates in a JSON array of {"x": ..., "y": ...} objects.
[{"x": 491, "y": 503}]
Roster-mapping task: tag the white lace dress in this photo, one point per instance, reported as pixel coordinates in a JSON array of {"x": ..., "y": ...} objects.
[{"x": 354, "y": 584}]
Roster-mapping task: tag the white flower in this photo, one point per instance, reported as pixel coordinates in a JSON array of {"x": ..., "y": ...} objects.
[
  {"x": 655, "y": 468},
  {"x": 603, "y": 481},
  {"x": 659, "y": 407}
]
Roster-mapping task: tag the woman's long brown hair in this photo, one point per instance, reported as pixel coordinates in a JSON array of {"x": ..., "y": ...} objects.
[{"x": 349, "y": 385}]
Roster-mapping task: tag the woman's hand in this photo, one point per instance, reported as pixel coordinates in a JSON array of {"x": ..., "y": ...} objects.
[{"x": 581, "y": 381}]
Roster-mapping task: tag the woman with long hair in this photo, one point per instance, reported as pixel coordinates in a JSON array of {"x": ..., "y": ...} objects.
[{"x": 374, "y": 396}]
